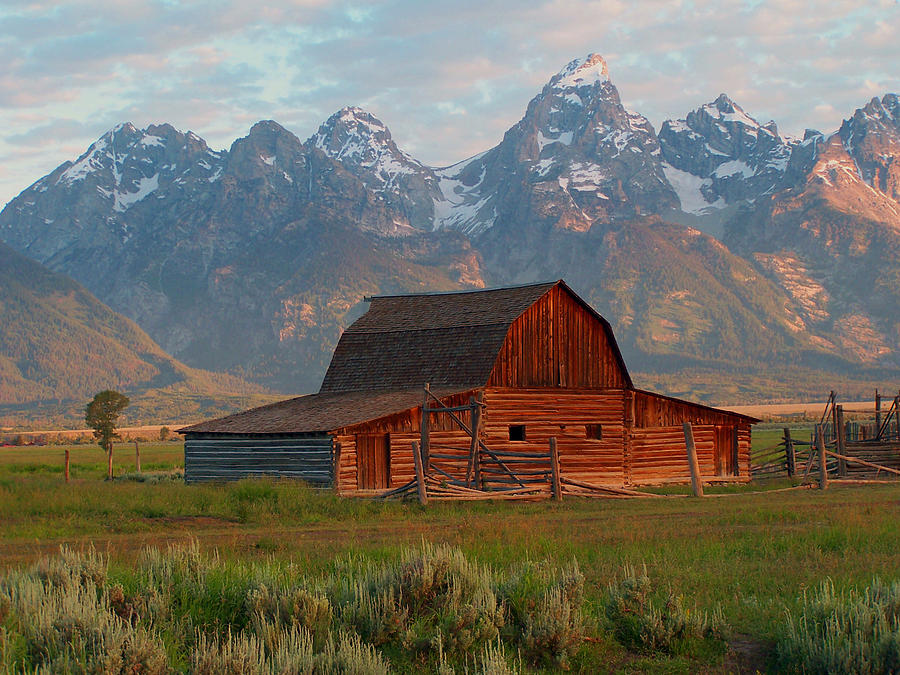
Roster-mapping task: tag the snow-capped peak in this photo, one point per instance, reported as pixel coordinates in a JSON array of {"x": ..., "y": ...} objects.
[
  {"x": 726, "y": 110},
  {"x": 357, "y": 116},
  {"x": 584, "y": 72},
  {"x": 355, "y": 134}
]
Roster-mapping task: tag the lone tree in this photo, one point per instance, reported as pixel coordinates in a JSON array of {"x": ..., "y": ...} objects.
[{"x": 101, "y": 415}]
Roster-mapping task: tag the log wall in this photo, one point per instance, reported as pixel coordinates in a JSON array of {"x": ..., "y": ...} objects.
[
  {"x": 404, "y": 428},
  {"x": 558, "y": 342},
  {"x": 659, "y": 454},
  {"x": 564, "y": 414},
  {"x": 631, "y": 450},
  {"x": 656, "y": 410},
  {"x": 232, "y": 457}
]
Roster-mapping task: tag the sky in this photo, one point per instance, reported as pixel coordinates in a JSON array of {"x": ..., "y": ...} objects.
[{"x": 447, "y": 78}]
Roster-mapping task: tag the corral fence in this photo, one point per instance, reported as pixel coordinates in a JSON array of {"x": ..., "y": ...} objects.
[{"x": 858, "y": 450}]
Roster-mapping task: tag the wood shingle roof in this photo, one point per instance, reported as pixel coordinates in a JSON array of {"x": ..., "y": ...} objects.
[
  {"x": 446, "y": 339},
  {"x": 315, "y": 413}
]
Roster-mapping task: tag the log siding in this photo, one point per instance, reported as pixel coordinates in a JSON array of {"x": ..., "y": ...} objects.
[{"x": 208, "y": 458}]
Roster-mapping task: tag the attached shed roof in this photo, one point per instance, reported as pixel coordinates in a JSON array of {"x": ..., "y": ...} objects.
[{"x": 316, "y": 413}]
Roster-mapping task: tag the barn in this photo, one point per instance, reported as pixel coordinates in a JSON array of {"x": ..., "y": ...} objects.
[{"x": 498, "y": 373}]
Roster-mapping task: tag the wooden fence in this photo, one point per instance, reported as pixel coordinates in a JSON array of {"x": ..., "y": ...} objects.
[{"x": 853, "y": 450}]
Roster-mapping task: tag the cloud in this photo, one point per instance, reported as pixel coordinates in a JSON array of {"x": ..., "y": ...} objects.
[{"x": 448, "y": 78}]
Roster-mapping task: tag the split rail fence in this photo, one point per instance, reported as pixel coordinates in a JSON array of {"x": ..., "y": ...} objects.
[{"x": 852, "y": 450}]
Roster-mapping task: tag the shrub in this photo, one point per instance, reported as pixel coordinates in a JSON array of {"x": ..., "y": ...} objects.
[
  {"x": 433, "y": 596},
  {"x": 176, "y": 476},
  {"x": 291, "y": 653},
  {"x": 852, "y": 632},
  {"x": 71, "y": 568},
  {"x": 643, "y": 624},
  {"x": 292, "y": 608},
  {"x": 492, "y": 661},
  {"x": 65, "y": 622},
  {"x": 545, "y": 610},
  {"x": 181, "y": 609}
]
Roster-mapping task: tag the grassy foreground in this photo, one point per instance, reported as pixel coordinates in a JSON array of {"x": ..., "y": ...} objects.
[{"x": 749, "y": 557}]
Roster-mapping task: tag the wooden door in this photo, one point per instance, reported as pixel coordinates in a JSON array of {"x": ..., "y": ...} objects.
[
  {"x": 373, "y": 461},
  {"x": 726, "y": 451}
]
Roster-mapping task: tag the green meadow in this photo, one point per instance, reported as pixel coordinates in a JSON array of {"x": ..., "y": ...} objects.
[{"x": 674, "y": 584}]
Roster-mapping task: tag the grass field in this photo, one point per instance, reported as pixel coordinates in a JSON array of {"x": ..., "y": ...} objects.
[{"x": 750, "y": 555}]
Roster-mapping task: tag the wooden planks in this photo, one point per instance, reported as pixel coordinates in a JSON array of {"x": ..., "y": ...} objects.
[
  {"x": 622, "y": 456},
  {"x": 658, "y": 455},
  {"x": 224, "y": 459},
  {"x": 563, "y": 414},
  {"x": 557, "y": 342},
  {"x": 656, "y": 410}
]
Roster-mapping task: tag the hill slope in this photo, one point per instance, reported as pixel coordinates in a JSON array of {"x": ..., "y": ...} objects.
[{"x": 59, "y": 344}]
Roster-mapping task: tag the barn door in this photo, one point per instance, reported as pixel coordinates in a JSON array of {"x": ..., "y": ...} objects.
[
  {"x": 373, "y": 461},
  {"x": 726, "y": 457}
]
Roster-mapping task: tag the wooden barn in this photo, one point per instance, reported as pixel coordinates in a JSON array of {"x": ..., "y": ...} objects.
[{"x": 498, "y": 373}]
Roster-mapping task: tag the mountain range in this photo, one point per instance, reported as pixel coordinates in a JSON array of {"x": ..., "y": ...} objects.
[{"x": 727, "y": 257}]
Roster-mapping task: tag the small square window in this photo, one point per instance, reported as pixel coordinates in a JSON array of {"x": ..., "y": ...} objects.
[
  {"x": 517, "y": 432},
  {"x": 593, "y": 431}
]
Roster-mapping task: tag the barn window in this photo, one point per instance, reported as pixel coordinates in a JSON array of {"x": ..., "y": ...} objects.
[
  {"x": 517, "y": 432},
  {"x": 593, "y": 432}
]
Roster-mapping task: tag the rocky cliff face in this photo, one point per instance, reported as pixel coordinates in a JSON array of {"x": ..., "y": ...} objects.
[
  {"x": 363, "y": 146},
  {"x": 832, "y": 241},
  {"x": 734, "y": 157},
  {"x": 253, "y": 259}
]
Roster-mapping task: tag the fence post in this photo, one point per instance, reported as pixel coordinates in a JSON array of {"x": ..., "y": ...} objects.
[
  {"x": 554, "y": 468},
  {"x": 823, "y": 468},
  {"x": 736, "y": 451},
  {"x": 789, "y": 456},
  {"x": 834, "y": 420},
  {"x": 897, "y": 415},
  {"x": 420, "y": 474},
  {"x": 67, "y": 465},
  {"x": 877, "y": 415},
  {"x": 841, "y": 439},
  {"x": 693, "y": 464},
  {"x": 472, "y": 471},
  {"x": 137, "y": 456}
]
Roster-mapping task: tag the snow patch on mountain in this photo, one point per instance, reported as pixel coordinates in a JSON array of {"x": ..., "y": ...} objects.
[
  {"x": 360, "y": 140},
  {"x": 150, "y": 140},
  {"x": 733, "y": 168},
  {"x": 145, "y": 186},
  {"x": 88, "y": 163},
  {"x": 689, "y": 189},
  {"x": 462, "y": 207}
]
